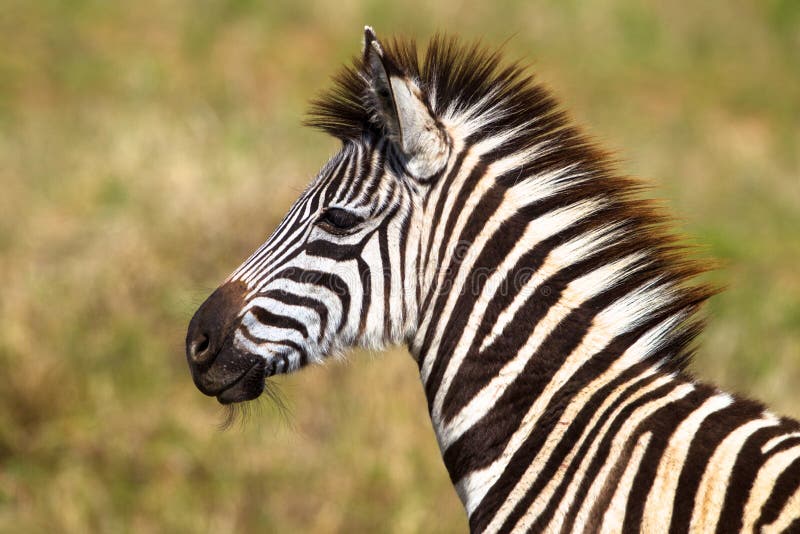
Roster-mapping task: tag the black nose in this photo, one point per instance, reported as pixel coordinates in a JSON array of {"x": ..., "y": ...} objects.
[{"x": 213, "y": 323}]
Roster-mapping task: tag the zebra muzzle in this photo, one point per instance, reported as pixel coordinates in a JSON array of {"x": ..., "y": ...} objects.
[
  {"x": 247, "y": 387},
  {"x": 218, "y": 368}
]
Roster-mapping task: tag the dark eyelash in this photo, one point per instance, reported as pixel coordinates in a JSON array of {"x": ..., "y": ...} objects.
[{"x": 338, "y": 219}]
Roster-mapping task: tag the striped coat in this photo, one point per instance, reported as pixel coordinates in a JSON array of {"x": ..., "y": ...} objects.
[{"x": 549, "y": 307}]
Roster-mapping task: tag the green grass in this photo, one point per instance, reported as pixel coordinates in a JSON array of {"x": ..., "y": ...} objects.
[{"x": 146, "y": 148}]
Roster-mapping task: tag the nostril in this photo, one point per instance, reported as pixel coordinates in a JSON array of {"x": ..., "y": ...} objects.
[
  {"x": 210, "y": 330},
  {"x": 201, "y": 345},
  {"x": 199, "y": 349}
]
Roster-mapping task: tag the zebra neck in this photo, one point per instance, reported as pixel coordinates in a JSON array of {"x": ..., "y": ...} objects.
[
  {"x": 540, "y": 334},
  {"x": 515, "y": 380},
  {"x": 541, "y": 282}
]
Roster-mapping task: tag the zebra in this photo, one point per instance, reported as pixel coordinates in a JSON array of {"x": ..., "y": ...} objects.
[{"x": 550, "y": 308}]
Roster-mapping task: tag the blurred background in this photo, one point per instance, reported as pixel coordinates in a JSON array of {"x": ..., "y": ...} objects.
[{"x": 146, "y": 148}]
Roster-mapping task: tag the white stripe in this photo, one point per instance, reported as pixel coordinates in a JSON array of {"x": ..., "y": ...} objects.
[
  {"x": 711, "y": 492},
  {"x": 577, "y": 292},
  {"x": 777, "y": 440},
  {"x": 309, "y": 318},
  {"x": 788, "y": 515},
  {"x": 615, "y": 515},
  {"x": 375, "y": 313},
  {"x": 560, "y": 257},
  {"x": 642, "y": 348},
  {"x": 574, "y": 212},
  {"x": 536, "y": 231},
  {"x": 612, "y": 458},
  {"x": 764, "y": 485},
  {"x": 658, "y": 508}
]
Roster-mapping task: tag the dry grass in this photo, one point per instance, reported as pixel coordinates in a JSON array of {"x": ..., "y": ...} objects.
[{"x": 146, "y": 148}]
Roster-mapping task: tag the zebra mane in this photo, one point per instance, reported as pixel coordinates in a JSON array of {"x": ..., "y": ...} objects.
[
  {"x": 455, "y": 76},
  {"x": 468, "y": 81}
]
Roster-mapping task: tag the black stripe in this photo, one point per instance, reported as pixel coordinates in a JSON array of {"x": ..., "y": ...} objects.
[
  {"x": 478, "y": 366},
  {"x": 373, "y": 172},
  {"x": 301, "y": 352},
  {"x": 299, "y": 235},
  {"x": 375, "y": 179},
  {"x": 519, "y": 463},
  {"x": 596, "y": 463},
  {"x": 661, "y": 425},
  {"x": 785, "y": 486},
  {"x": 268, "y": 318},
  {"x": 793, "y": 528},
  {"x": 357, "y": 167},
  {"x": 471, "y": 451},
  {"x": 740, "y": 483},
  {"x": 789, "y": 443},
  {"x": 486, "y": 263},
  {"x": 597, "y": 365},
  {"x": 473, "y": 178},
  {"x": 712, "y": 432},
  {"x": 405, "y": 227},
  {"x": 299, "y": 300},
  {"x": 327, "y": 280},
  {"x": 366, "y": 297},
  {"x": 341, "y": 252},
  {"x": 386, "y": 269}
]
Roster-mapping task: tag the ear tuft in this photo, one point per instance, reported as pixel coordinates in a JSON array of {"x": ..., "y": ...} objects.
[{"x": 369, "y": 37}]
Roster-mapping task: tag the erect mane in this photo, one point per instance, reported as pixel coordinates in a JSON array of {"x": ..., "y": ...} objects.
[
  {"x": 468, "y": 81},
  {"x": 454, "y": 75}
]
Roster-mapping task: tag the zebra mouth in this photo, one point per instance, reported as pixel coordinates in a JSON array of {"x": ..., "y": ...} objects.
[
  {"x": 247, "y": 387},
  {"x": 279, "y": 364}
]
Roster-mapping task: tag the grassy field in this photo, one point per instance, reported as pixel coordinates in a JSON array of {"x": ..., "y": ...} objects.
[{"x": 147, "y": 147}]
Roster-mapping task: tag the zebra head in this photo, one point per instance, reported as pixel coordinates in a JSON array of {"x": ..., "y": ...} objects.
[{"x": 340, "y": 269}]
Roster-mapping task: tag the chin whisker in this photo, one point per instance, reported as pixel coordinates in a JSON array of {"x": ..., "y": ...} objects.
[
  {"x": 277, "y": 400},
  {"x": 239, "y": 414}
]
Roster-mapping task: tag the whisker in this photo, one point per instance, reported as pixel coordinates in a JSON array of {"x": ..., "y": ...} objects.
[{"x": 239, "y": 414}]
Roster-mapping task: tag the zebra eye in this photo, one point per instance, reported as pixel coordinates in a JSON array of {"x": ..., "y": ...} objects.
[{"x": 338, "y": 219}]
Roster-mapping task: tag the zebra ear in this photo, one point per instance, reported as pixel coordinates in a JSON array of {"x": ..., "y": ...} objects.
[{"x": 401, "y": 110}]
